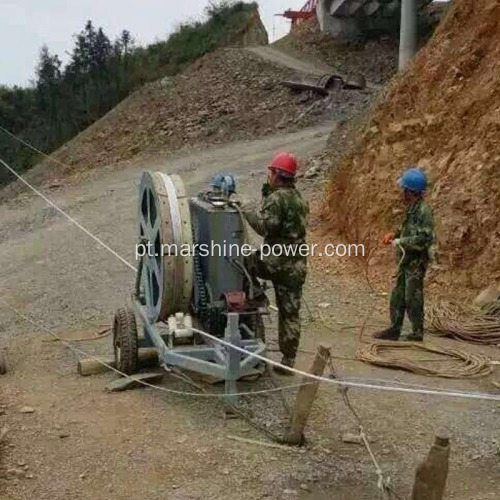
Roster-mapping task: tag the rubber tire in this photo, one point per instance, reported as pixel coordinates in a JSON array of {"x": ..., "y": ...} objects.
[
  {"x": 126, "y": 339},
  {"x": 3, "y": 363}
]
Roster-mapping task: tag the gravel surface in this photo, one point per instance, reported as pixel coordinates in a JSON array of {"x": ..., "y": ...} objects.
[{"x": 83, "y": 443}]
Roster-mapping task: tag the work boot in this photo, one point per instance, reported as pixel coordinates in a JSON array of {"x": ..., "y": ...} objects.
[
  {"x": 287, "y": 362},
  {"x": 414, "y": 337},
  {"x": 387, "y": 334}
]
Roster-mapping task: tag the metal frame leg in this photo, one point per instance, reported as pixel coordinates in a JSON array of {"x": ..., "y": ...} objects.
[{"x": 233, "y": 357}]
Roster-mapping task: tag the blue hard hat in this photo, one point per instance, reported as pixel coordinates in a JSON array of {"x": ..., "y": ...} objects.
[
  {"x": 414, "y": 180},
  {"x": 217, "y": 181},
  {"x": 229, "y": 184}
]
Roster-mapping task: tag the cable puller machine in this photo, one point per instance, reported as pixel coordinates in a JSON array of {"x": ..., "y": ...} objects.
[{"x": 182, "y": 283}]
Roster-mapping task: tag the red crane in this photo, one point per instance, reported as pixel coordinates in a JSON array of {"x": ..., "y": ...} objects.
[{"x": 306, "y": 12}]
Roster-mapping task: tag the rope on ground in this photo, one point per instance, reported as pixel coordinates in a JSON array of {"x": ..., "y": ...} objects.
[
  {"x": 383, "y": 481},
  {"x": 465, "y": 322},
  {"x": 85, "y": 354},
  {"x": 467, "y": 365},
  {"x": 366, "y": 385},
  {"x": 96, "y": 335},
  {"x": 232, "y": 408},
  {"x": 382, "y": 353}
]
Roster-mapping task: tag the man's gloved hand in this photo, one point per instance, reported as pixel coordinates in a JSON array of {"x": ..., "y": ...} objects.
[
  {"x": 396, "y": 242},
  {"x": 266, "y": 189},
  {"x": 242, "y": 201},
  {"x": 388, "y": 238}
]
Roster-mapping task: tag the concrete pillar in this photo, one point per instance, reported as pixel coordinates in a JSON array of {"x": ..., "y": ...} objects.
[
  {"x": 338, "y": 27},
  {"x": 409, "y": 35}
]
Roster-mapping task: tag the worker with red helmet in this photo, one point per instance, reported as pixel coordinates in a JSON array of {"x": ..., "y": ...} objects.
[{"x": 282, "y": 221}]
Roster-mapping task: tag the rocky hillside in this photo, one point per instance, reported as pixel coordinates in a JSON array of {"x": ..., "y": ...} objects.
[
  {"x": 442, "y": 114},
  {"x": 229, "y": 95},
  {"x": 375, "y": 59}
]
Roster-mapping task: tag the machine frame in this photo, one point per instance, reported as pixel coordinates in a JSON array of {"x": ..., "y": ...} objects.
[{"x": 202, "y": 354}]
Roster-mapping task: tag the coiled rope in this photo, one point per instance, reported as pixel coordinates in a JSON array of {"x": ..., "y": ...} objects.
[
  {"x": 391, "y": 354},
  {"x": 465, "y": 365},
  {"x": 465, "y": 322}
]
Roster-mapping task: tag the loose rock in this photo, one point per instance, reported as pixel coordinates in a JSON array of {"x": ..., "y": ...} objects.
[{"x": 27, "y": 409}]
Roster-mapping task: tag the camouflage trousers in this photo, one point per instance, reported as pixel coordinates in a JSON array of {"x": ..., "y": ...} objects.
[
  {"x": 288, "y": 295},
  {"x": 408, "y": 296},
  {"x": 288, "y": 302}
]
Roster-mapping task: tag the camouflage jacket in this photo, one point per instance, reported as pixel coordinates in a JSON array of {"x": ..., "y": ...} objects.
[
  {"x": 416, "y": 234},
  {"x": 282, "y": 220}
]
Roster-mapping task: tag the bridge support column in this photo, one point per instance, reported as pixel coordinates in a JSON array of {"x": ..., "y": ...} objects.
[
  {"x": 409, "y": 35},
  {"x": 343, "y": 27}
]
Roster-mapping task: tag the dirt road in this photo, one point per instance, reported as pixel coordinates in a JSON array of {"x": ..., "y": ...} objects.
[
  {"x": 83, "y": 443},
  {"x": 281, "y": 58}
]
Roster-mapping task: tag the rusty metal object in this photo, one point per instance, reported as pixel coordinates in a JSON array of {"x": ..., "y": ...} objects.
[
  {"x": 320, "y": 84},
  {"x": 308, "y": 11},
  {"x": 235, "y": 301},
  {"x": 324, "y": 83}
]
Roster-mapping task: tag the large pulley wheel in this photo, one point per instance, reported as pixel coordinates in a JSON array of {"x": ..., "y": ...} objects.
[
  {"x": 125, "y": 341},
  {"x": 165, "y": 226}
]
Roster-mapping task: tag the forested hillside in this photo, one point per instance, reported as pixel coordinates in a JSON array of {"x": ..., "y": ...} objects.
[{"x": 64, "y": 100}]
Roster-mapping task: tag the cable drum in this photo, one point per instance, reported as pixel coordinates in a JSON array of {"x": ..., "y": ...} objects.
[{"x": 165, "y": 226}]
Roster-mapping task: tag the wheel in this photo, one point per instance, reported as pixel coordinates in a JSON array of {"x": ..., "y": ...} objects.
[
  {"x": 3, "y": 363},
  {"x": 125, "y": 341}
]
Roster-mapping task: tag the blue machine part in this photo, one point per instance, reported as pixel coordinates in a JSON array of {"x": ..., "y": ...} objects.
[
  {"x": 224, "y": 183},
  {"x": 217, "y": 181},
  {"x": 229, "y": 185}
]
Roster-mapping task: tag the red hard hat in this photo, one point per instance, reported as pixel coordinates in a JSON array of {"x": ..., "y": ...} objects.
[{"x": 286, "y": 163}]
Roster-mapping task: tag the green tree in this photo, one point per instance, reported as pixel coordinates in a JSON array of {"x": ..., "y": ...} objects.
[{"x": 63, "y": 101}]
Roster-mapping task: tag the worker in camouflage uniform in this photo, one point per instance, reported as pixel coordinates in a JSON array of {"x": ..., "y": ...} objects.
[
  {"x": 282, "y": 221},
  {"x": 412, "y": 241}
]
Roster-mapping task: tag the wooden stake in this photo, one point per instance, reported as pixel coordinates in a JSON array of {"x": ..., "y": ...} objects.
[
  {"x": 90, "y": 366},
  {"x": 431, "y": 475},
  {"x": 305, "y": 398}
]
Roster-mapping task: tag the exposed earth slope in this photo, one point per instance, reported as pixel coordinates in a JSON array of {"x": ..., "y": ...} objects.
[{"x": 442, "y": 114}]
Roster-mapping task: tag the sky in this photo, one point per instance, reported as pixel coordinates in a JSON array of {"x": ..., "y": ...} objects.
[{"x": 26, "y": 25}]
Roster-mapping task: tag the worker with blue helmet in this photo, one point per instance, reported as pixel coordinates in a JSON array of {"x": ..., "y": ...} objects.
[
  {"x": 412, "y": 241},
  {"x": 413, "y": 180}
]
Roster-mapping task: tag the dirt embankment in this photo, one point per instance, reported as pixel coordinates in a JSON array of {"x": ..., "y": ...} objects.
[
  {"x": 228, "y": 95},
  {"x": 254, "y": 33},
  {"x": 376, "y": 60},
  {"x": 232, "y": 94},
  {"x": 442, "y": 114}
]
